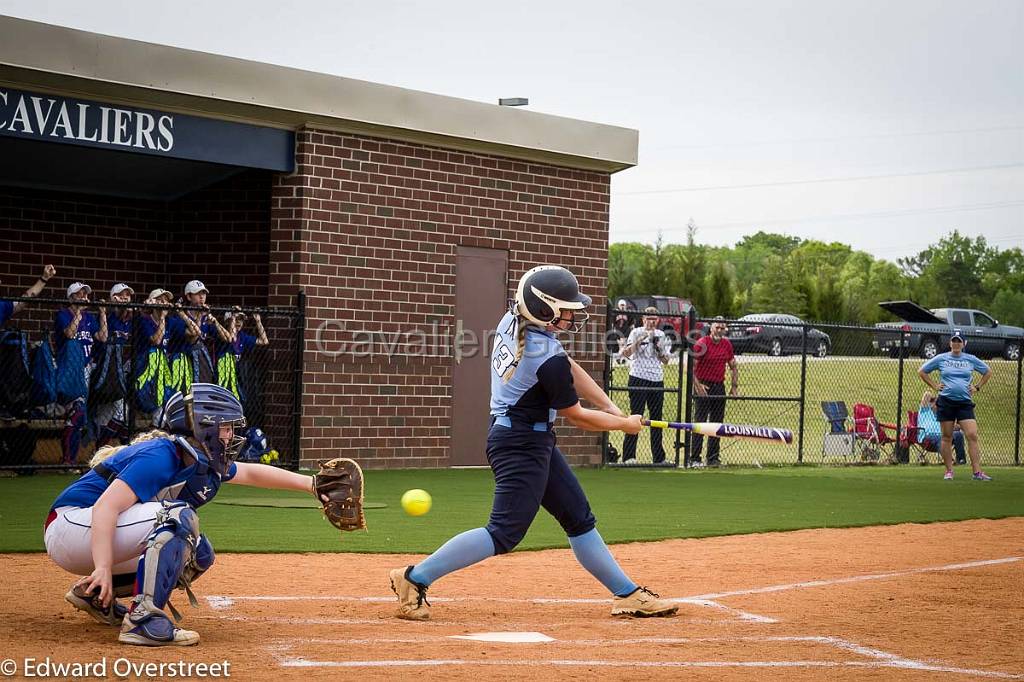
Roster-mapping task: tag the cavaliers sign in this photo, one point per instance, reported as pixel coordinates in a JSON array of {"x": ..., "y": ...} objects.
[{"x": 52, "y": 118}]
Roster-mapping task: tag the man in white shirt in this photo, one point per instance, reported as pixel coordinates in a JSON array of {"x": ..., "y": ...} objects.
[{"x": 649, "y": 348}]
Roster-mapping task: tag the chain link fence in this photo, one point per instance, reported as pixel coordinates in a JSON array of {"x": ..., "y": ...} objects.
[
  {"x": 849, "y": 394},
  {"x": 68, "y": 388}
]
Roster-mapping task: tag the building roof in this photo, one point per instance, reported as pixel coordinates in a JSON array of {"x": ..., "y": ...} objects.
[{"x": 66, "y": 61}]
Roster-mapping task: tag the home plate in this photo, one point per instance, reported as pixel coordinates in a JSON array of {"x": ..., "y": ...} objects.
[{"x": 515, "y": 637}]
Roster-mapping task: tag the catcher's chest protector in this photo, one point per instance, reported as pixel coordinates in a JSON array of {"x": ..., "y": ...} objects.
[{"x": 200, "y": 484}]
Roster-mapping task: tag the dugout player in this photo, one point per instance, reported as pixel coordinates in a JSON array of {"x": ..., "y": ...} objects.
[
  {"x": 9, "y": 308},
  {"x": 532, "y": 380},
  {"x": 188, "y": 333},
  {"x": 130, "y": 524}
]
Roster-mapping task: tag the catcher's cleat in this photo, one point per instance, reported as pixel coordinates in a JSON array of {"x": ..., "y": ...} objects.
[
  {"x": 106, "y": 615},
  {"x": 642, "y": 603},
  {"x": 412, "y": 597},
  {"x": 153, "y": 628}
]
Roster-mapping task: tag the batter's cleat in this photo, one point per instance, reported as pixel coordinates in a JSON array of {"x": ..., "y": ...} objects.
[
  {"x": 948, "y": 476},
  {"x": 642, "y": 603},
  {"x": 981, "y": 476},
  {"x": 106, "y": 615},
  {"x": 154, "y": 628},
  {"x": 412, "y": 597}
]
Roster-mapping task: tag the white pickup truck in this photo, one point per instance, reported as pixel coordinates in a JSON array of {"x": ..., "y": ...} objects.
[{"x": 929, "y": 331}]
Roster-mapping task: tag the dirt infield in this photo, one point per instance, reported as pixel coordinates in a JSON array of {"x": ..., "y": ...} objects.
[{"x": 912, "y": 602}]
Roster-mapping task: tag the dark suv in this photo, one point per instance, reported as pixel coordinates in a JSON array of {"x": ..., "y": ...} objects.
[
  {"x": 675, "y": 323},
  {"x": 764, "y": 333}
]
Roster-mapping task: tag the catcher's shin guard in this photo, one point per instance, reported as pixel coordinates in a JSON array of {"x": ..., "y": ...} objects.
[{"x": 171, "y": 548}]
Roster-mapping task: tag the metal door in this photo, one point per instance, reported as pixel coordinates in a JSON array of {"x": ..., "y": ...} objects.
[{"x": 481, "y": 293}]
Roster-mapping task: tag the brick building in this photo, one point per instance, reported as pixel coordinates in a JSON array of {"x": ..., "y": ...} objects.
[{"x": 405, "y": 217}]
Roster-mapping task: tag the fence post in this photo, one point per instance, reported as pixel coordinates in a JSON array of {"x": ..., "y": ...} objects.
[
  {"x": 607, "y": 371},
  {"x": 133, "y": 372},
  {"x": 1016, "y": 431},
  {"x": 803, "y": 394},
  {"x": 691, "y": 329},
  {"x": 300, "y": 348},
  {"x": 680, "y": 381},
  {"x": 904, "y": 345}
]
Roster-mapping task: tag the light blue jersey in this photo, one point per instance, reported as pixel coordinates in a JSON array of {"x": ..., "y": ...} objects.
[
  {"x": 927, "y": 425},
  {"x": 955, "y": 373},
  {"x": 542, "y": 383}
]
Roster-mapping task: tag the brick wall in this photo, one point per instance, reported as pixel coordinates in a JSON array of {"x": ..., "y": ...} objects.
[
  {"x": 370, "y": 228},
  {"x": 97, "y": 240},
  {"x": 218, "y": 235}
]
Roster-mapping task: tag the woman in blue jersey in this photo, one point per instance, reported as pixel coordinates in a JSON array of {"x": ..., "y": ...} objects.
[
  {"x": 230, "y": 353},
  {"x": 188, "y": 335},
  {"x": 955, "y": 404},
  {"x": 152, "y": 375},
  {"x": 75, "y": 330},
  {"x": 130, "y": 524},
  {"x": 532, "y": 381},
  {"x": 111, "y": 417}
]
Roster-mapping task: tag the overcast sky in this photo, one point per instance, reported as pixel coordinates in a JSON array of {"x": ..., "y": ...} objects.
[{"x": 880, "y": 123}]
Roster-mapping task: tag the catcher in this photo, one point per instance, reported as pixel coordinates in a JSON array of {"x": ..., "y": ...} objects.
[{"x": 130, "y": 525}]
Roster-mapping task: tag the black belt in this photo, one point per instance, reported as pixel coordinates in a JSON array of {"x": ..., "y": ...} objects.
[{"x": 105, "y": 472}]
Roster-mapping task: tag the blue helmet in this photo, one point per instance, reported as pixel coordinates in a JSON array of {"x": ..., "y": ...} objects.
[{"x": 200, "y": 414}]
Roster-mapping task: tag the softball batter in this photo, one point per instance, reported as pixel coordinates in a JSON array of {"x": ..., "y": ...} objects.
[
  {"x": 130, "y": 524},
  {"x": 532, "y": 381}
]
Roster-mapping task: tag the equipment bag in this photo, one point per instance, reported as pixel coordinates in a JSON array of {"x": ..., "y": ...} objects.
[
  {"x": 16, "y": 385},
  {"x": 71, "y": 372},
  {"x": 44, "y": 376}
]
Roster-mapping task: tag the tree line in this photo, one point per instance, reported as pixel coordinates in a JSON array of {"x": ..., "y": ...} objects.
[{"x": 824, "y": 282}]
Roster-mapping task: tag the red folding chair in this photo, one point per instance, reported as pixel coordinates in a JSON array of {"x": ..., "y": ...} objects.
[
  {"x": 910, "y": 439},
  {"x": 872, "y": 435}
]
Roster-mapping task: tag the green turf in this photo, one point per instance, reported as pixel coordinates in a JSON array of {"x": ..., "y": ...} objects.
[
  {"x": 631, "y": 505},
  {"x": 854, "y": 380}
]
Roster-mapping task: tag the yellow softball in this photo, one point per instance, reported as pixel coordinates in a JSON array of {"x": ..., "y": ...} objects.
[{"x": 416, "y": 502}]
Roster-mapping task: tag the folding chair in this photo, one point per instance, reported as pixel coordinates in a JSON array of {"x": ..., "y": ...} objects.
[
  {"x": 910, "y": 437},
  {"x": 874, "y": 440}
]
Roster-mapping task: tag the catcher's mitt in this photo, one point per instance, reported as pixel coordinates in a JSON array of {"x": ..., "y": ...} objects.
[{"x": 338, "y": 486}]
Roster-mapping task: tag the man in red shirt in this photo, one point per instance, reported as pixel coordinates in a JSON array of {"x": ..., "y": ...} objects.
[{"x": 710, "y": 356}]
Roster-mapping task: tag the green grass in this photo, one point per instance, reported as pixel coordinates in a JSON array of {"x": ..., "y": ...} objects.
[
  {"x": 631, "y": 505},
  {"x": 854, "y": 380}
]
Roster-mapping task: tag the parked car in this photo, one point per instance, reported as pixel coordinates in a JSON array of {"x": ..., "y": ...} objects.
[
  {"x": 929, "y": 331},
  {"x": 776, "y": 334},
  {"x": 675, "y": 322}
]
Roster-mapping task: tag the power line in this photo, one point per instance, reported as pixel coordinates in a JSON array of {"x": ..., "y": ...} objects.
[
  {"x": 841, "y": 138},
  {"x": 853, "y": 178}
]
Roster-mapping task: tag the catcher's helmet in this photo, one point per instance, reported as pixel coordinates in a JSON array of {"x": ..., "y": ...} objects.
[
  {"x": 545, "y": 291},
  {"x": 200, "y": 414}
]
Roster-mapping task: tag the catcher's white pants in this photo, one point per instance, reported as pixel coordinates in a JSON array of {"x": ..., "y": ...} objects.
[{"x": 68, "y": 538}]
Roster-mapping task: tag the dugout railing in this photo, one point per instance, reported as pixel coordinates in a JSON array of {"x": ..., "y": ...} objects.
[
  {"x": 130, "y": 382},
  {"x": 787, "y": 370}
]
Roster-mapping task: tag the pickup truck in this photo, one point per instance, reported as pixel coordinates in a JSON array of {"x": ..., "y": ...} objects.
[{"x": 929, "y": 331}]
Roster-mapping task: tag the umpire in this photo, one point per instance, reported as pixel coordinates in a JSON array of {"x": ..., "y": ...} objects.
[{"x": 648, "y": 346}]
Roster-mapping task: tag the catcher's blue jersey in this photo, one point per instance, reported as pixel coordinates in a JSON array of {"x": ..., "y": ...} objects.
[
  {"x": 542, "y": 383},
  {"x": 154, "y": 471}
]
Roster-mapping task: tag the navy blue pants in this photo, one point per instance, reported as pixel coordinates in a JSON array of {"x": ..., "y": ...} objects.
[{"x": 530, "y": 473}]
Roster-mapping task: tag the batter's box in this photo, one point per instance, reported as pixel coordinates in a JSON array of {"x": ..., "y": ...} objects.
[
  {"x": 541, "y": 650},
  {"x": 539, "y": 605}
]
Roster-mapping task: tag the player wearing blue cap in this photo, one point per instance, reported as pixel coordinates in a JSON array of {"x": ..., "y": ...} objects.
[{"x": 131, "y": 524}]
